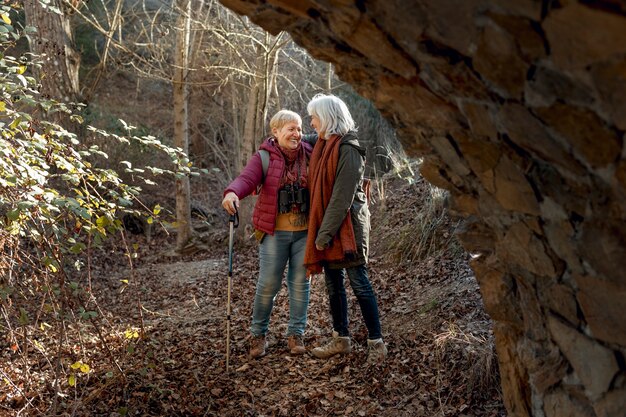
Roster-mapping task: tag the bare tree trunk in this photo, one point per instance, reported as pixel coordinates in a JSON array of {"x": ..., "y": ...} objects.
[
  {"x": 54, "y": 43},
  {"x": 264, "y": 93},
  {"x": 247, "y": 146},
  {"x": 181, "y": 121},
  {"x": 250, "y": 124},
  {"x": 101, "y": 68},
  {"x": 258, "y": 101},
  {"x": 198, "y": 145},
  {"x": 238, "y": 158}
]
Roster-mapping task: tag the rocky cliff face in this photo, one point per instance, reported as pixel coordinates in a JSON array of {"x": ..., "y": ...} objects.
[{"x": 519, "y": 108}]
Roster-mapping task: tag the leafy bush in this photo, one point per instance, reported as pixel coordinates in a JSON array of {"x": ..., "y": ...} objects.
[{"x": 55, "y": 206}]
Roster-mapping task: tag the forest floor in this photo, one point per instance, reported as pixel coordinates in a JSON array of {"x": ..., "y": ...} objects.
[{"x": 162, "y": 350}]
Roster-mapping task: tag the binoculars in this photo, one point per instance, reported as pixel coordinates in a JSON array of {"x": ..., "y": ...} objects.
[{"x": 293, "y": 195}]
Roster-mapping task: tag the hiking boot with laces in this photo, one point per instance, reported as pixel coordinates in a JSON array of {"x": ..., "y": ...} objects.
[
  {"x": 377, "y": 351},
  {"x": 258, "y": 344},
  {"x": 338, "y": 344},
  {"x": 295, "y": 343}
]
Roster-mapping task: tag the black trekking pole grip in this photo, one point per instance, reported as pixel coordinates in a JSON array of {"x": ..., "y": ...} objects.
[{"x": 234, "y": 218}]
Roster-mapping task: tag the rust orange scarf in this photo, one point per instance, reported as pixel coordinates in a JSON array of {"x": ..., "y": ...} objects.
[{"x": 322, "y": 171}]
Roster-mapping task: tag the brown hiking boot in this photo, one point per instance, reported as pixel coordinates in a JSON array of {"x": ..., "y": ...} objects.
[
  {"x": 338, "y": 344},
  {"x": 258, "y": 344},
  {"x": 377, "y": 351},
  {"x": 296, "y": 345}
]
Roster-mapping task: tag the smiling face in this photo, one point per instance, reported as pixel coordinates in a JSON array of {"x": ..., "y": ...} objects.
[
  {"x": 289, "y": 135},
  {"x": 315, "y": 124}
]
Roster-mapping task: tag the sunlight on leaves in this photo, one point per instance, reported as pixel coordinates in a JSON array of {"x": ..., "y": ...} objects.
[
  {"x": 81, "y": 366},
  {"x": 131, "y": 334}
]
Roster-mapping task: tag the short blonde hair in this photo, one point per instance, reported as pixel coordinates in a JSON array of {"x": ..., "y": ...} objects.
[{"x": 283, "y": 117}]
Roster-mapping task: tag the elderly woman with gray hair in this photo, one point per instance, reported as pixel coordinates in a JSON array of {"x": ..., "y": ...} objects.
[{"x": 339, "y": 225}]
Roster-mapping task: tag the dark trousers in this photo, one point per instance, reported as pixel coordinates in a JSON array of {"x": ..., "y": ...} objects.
[{"x": 364, "y": 293}]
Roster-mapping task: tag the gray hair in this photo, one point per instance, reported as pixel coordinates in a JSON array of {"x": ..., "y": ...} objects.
[
  {"x": 333, "y": 114},
  {"x": 283, "y": 117}
]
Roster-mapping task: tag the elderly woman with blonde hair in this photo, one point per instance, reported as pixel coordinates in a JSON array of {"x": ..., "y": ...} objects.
[{"x": 280, "y": 219}]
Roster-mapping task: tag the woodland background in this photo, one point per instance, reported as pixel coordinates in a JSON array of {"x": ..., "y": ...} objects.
[{"x": 122, "y": 122}]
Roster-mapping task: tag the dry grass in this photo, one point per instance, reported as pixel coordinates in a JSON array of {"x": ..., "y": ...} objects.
[
  {"x": 416, "y": 231},
  {"x": 477, "y": 351}
]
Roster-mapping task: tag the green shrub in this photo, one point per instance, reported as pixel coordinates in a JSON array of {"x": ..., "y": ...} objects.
[{"x": 55, "y": 205}]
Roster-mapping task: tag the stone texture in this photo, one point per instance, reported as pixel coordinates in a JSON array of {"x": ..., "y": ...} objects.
[
  {"x": 498, "y": 290},
  {"x": 612, "y": 405},
  {"x": 596, "y": 375},
  {"x": 514, "y": 376},
  {"x": 445, "y": 148},
  {"x": 610, "y": 82},
  {"x": 498, "y": 61},
  {"x": 620, "y": 175},
  {"x": 482, "y": 157},
  {"x": 476, "y": 235},
  {"x": 508, "y": 46},
  {"x": 603, "y": 245},
  {"x": 360, "y": 33},
  {"x": 479, "y": 119},
  {"x": 603, "y": 304},
  {"x": 527, "y": 8},
  {"x": 580, "y": 36},
  {"x": 561, "y": 235},
  {"x": 395, "y": 24},
  {"x": 424, "y": 108},
  {"x": 532, "y": 347},
  {"x": 464, "y": 204},
  {"x": 552, "y": 211},
  {"x": 571, "y": 193},
  {"x": 297, "y": 8},
  {"x": 590, "y": 138},
  {"x": 452, "y": 80},
  {"x": 545, "y": 364},
  {"x": 527, "y": 37},
  {"x": 546, "y": 85},
  {"x": 559, "y": 298},
  {"x": 529, "y": 133},
  {"x": 561, "y": 403},
  {"x": 462, "y": 34},
  {"x": 432, "y": 171},
  {"x": 518, "y": 108},
  {"x": 512, "y": 189}
]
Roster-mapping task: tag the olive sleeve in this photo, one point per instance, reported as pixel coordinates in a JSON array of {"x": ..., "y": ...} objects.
[{"x": 349, "y": 172}]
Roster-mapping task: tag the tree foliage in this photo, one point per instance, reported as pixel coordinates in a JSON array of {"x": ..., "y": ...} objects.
[
  {"x": 56, "y": 205},
  {"x": 239, "y": 76}
]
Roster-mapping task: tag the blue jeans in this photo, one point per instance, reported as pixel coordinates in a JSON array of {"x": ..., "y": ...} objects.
[
  {"x": 364, "y": 293},
  {"x": 274, "y": 254}
]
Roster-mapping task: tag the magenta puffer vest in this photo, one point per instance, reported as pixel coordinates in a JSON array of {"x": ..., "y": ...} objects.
[{"x": 266, "y": 207}]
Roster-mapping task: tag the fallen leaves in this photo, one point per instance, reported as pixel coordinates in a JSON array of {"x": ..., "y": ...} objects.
[{"x": 167, "y": 330}]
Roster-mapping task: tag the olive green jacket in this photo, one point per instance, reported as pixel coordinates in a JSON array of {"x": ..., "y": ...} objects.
[{"x": 348, "y": 194}]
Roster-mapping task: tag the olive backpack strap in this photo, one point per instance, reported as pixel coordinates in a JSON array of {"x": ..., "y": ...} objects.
[{"x": 265, "y": 163}]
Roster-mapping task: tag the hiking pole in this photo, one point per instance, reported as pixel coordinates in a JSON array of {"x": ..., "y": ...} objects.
[{"x": 233, "y": 222}]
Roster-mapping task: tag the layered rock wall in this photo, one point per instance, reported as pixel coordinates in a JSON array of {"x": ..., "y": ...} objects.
[{"x": 519, "y": 109}]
